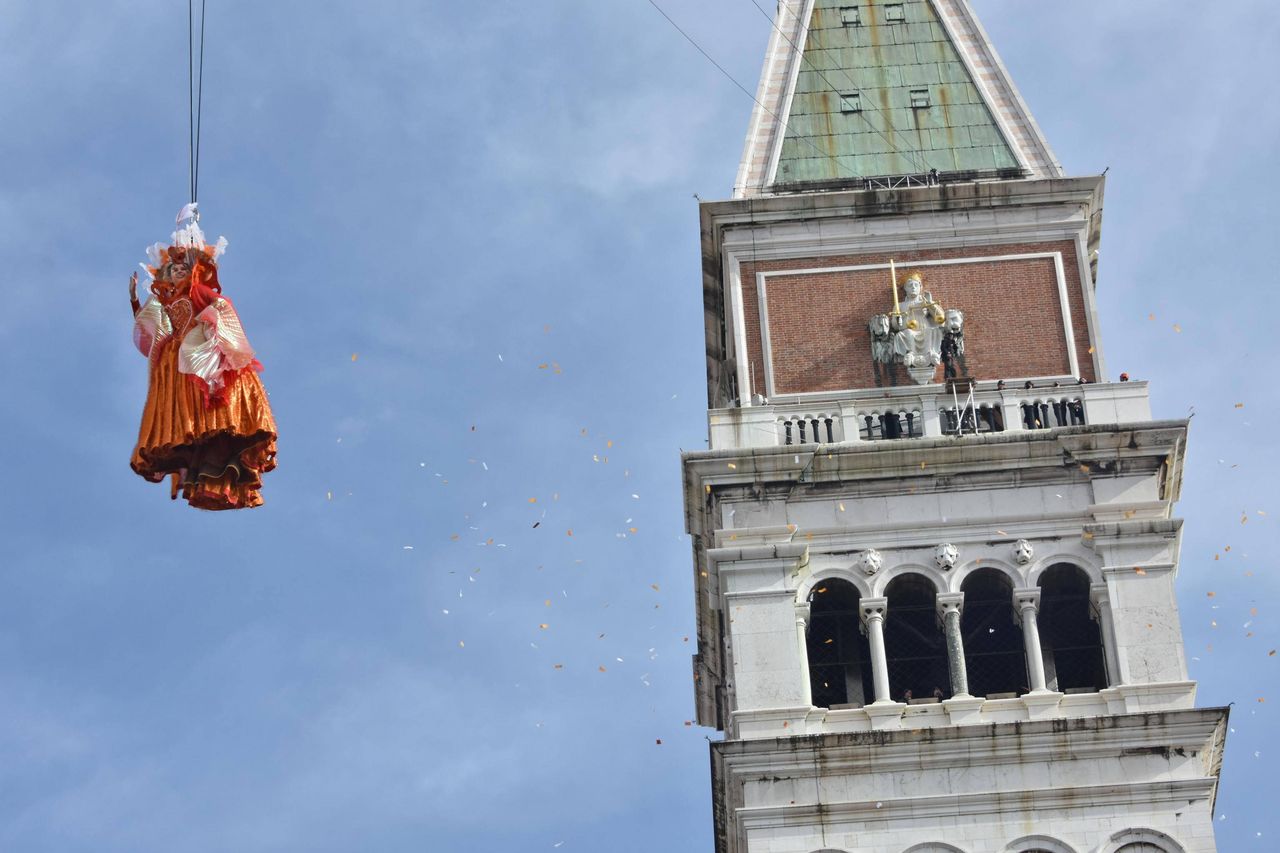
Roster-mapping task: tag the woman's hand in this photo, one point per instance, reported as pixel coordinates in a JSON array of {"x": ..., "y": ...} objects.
[{"x": 133, "y": 294}]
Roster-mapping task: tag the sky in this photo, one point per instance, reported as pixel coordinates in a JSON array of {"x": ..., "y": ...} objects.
[{"x": 464, "y": 242}]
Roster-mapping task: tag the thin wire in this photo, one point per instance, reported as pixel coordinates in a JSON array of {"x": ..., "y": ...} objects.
[
  {"x": 731, "y": 79},
  {"x": 910, "y": 152},
  {"x": 191, "y": 87},
  {"x": 195, "y": 96},
  {"x": 195, "y": 186}
]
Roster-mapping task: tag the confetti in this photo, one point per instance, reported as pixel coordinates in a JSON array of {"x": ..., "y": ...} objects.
[
  {"x": 354, "y": 356},
  {"x": 1138, "y": 570},
  {"x": 654, "y": 586},
  {"x": 1239, "y": 405},
  {"x": 1177, "y": 328}
]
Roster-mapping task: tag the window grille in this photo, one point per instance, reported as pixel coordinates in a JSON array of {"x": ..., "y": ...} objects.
[
  {"x": 1069, "y": 637},
  {"x": 914, "y": 643},
  {"x": 851, "y": 102},
  {"x": 994, "y": 654},
  {"x": 839, "y": 654}
]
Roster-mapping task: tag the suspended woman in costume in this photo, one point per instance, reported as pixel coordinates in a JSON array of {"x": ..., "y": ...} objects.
[{"x": 207, "y": 423}]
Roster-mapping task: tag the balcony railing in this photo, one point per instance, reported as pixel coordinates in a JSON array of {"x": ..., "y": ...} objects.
[{"x": 895, "y": 414}]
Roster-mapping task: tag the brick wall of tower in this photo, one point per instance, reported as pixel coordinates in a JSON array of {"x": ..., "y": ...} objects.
[{"x": 1013, "y": 319}]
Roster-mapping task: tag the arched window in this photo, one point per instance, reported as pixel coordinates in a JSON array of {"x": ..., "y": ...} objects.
[
  {"x": 1142, "y": 841},
  {"x": 913, "y": 641},
  {"x": 1037, "y": 844},
  {"x": 839, "y": 657},
  {"x": 1069, "y": 637},
  {"x": 994, "y": 654}
]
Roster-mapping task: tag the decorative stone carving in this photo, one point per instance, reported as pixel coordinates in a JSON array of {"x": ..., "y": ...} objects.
[
  {"x": 1023, "y": 552},
  {"x": 953, "y": 344},
  {"x": 914, "y": 332},
  {"x": 870, "y": 561},
  {"x": 946, "y": 556}
]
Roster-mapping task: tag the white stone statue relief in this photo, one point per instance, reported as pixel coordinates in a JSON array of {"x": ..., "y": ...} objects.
[
  {"x": 953, "y": 344},
  {"x": 1023, "y": 552},
  {"x": 946, "y": 556},
  {"x": 870, "y": 561},
  {"x": 914, "y": 332}
]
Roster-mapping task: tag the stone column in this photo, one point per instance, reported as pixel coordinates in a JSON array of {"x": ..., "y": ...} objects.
[
  {"x": 873, "y": 613},
  {"x": 1100, "y": 598},
  {"x": 1026, "y": 603},
  {"x": 802, "y": 635},
  {"x": 950, "y": 605}
]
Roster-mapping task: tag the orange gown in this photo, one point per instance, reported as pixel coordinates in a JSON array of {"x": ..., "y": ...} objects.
[{"x": 207, "y": 418}]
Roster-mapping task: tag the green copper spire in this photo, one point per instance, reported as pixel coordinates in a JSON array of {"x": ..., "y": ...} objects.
[{"x": 883, "y": 91}]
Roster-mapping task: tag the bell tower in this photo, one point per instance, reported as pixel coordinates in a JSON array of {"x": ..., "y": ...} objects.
[{"x": 934, "y": 542}]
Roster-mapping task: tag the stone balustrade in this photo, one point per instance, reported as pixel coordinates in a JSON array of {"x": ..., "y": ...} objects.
[{"x": 890, "y": 414}]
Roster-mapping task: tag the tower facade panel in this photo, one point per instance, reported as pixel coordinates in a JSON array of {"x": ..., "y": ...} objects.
[{"x": 934, "y": 543}]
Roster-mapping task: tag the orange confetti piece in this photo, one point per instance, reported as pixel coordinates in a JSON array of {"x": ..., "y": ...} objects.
[
  {"x": 354, "y": 356},
  {"x": 543, "y": 625},
  {"x": 602, "y": 669},
  {"x": 654, "y": 587},
  {"x": 1138, "y": 570},
  {"x": 1211, "y": 594},
  {"x": 609, "y": 443},
  {"x": 569, "y": 532},
  {"x": 1239, "y": 405},
  {"x": 1151, "y": 316},
  {"x": 533, "y": 500}
]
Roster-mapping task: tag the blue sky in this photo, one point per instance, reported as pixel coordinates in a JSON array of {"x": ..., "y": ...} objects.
[{"x": 457, "y": 194}]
